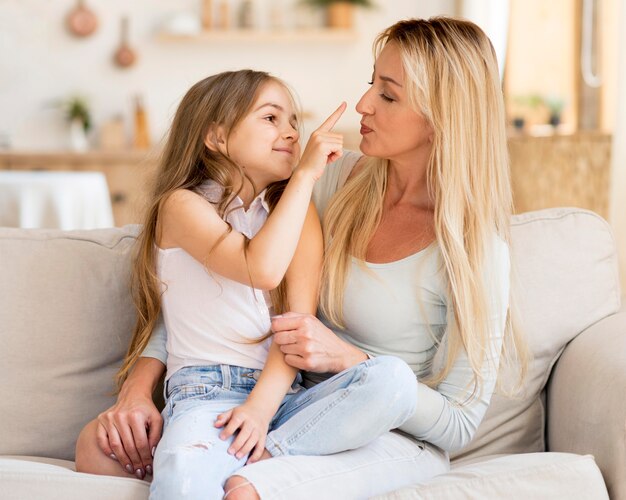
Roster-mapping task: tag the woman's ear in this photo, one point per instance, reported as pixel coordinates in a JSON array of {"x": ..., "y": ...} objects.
[{"x": 214, "y": 139}]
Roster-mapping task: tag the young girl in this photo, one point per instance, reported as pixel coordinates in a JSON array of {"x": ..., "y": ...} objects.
[{"x": 207, "y": 254}]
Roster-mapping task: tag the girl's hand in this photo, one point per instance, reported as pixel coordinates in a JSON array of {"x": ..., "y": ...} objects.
[
  {"x": 252, "y": 424},
  {"x": 323, "y": 147},
  {"x": 309, "y": 345}
]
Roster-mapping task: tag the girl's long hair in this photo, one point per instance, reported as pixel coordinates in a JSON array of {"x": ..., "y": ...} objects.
[
  {"x": 219, "y": 100},
  {"x": 452, "y": 79}
]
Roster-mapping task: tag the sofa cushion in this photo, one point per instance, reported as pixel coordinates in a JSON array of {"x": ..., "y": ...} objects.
[
  {"x": 554, "y": 476},
  {"x": 66, "y": 316},
  {"x": 29, "y": 478},
  {"x": 565, "y": 278}
]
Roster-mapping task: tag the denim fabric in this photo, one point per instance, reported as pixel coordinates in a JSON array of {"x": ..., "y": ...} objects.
[
  {"x": 191, "y": 461},
  {"x": 347, "y": 411}
]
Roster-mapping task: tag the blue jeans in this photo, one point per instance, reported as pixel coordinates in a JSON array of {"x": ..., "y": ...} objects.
[{"x": 346, "y": 411}]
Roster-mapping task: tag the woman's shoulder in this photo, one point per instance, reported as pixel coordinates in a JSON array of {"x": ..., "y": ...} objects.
[{"x": 334, "y": 177}]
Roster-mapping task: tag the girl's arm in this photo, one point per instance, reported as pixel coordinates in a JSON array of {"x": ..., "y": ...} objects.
[
  {"x": 302, "y": 278},
  {"x": 189, "y": 222}
]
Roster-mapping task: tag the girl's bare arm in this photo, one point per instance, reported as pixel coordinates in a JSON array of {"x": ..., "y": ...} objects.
[{"x": 303, "y": 278}]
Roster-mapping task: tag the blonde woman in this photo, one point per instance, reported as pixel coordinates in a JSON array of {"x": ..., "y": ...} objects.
[{"x": 416, "y": 266}]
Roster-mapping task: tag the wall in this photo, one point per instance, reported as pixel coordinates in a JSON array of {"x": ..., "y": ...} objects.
[
  {"x": 617, "y": 215},
  {"x": 541, "y": 57},
  {"x": 40, "y": 62}
]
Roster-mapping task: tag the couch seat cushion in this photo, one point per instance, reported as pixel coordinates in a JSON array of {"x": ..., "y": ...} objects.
[
  {"x": 25, "y": 478},
  {"x": 553, "y": 476}
]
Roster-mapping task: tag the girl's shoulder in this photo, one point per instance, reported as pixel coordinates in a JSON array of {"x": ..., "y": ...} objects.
[
  {"x": 334, "y": 177},
  {"x": 210, "y": 190}
]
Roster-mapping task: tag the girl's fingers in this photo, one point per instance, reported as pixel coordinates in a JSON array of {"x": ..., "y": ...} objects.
[
  {"x": 231, "y": 427},
  {"x": 247, "y": 447},
  {"x": 223, "y": 418},
  {"x": 335, "y": 156},
  {"x": 240, "y": 441},
  {"x": 257, "y": 452},
  {"x": 330, "y": 122}
]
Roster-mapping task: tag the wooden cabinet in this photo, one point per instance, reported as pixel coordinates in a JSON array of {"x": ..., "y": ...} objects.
[
  {"x": 129, "y": 174},
  {"x": 561, "y": 170}
]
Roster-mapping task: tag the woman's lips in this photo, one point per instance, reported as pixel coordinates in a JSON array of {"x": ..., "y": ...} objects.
[
  {"x": 365, "y": 130},
  {"x": 284, "y": 150}
]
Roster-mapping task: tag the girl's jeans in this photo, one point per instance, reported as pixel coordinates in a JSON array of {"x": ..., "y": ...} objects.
[{"x": 344, "y": 412}]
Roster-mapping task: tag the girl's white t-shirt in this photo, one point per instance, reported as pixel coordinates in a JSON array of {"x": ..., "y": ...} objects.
[{"x": 211, "y": 319}]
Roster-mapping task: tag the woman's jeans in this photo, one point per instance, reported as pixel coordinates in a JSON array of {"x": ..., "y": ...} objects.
[{"x": 344, "y": 412}]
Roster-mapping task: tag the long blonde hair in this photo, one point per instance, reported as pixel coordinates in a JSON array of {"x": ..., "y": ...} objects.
[
  {"x": 219, "y": 100},
  {"x": 452, "y": 79}
]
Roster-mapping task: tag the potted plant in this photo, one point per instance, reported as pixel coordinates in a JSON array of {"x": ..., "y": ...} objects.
[
  {"x": 522, "y": 109},
  {"x": 339, "y": 13},
  {"x": 555, "y": 107},
  {"x": 79, "y": 117}
]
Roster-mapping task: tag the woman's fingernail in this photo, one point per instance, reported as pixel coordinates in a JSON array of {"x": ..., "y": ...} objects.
[
  {"x": 139, "y": 473},
  {"x": 112, "y": 456},
  {"x": 277, "y": 316},
  {"x": 149, "y": 469},
  {"x": 153, "y": 450},
  {"x": 129, "y": 468}
]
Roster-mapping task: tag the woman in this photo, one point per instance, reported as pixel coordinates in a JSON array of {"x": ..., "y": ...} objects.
[{"x": 416, "y": 266}]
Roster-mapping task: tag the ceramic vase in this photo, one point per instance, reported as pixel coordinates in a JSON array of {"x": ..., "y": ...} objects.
[
  {"x": 340, "y": 15},
  {"x": 78, "y": 136}
]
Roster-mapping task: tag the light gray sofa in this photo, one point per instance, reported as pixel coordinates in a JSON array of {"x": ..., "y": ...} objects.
[{"x": 66, "y": 316}]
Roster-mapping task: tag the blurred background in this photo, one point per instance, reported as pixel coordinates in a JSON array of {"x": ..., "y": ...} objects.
[{"x": 90, "y": 87}]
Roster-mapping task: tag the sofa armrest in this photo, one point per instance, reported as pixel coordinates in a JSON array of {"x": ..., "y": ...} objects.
[{"x": 586, "y": 399}]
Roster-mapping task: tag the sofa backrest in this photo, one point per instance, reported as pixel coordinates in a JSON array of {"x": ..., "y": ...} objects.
[
  {"x": 66, "y": 318},
  {"x": 565, "y": 278}
]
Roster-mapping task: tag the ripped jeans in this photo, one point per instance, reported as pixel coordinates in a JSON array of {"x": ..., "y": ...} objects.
[{"x": 191, "y": 461}]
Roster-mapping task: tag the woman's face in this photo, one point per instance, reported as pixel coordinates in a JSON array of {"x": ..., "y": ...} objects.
[
  {"x": 265, "y": 143},
  {"x": 390, "y": 128}
]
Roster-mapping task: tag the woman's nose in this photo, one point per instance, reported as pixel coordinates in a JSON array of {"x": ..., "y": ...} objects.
[{"x": 363, "y": 107}]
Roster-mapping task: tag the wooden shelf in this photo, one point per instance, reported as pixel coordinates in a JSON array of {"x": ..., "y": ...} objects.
[
  {"x": 19, "y": 159},
  {"x": 249, "y": 35}
]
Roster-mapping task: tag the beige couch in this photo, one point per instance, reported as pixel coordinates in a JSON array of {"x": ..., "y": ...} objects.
[{"x": 66, "y": 315}]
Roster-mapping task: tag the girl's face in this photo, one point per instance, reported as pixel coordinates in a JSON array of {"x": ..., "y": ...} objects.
[
  {"x": 390, "y": 127},
  {"x": 265, "y": 143}
]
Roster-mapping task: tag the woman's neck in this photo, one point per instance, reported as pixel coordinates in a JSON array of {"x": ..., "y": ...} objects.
[{"x": 407, "y": 184}]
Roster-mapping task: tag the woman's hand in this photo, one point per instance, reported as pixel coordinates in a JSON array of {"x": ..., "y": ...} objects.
[
  {"x": 323, "y": 146},
  {"x": 309, "y": 345},
  {"x": 252, "y": 422},
  {"x": 129, "y": 431}
]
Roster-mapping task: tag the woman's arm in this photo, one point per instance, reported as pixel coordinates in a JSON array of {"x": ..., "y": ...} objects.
[
  {"x": 131, "y": 428},
  {"x": 189, "y": 222},
  {"x": 444, "y": 416},
  {"x": 277, "y": 376}
]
